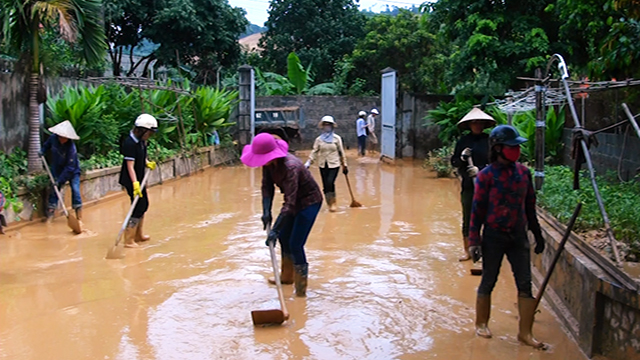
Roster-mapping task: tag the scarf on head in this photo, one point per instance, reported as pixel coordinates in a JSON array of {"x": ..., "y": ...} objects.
[{"x": 327, "y": 136}]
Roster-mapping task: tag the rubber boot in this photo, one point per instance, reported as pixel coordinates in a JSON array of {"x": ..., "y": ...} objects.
[
  {"x": 483, "y": 311},
  {"x": 300, "y": 279},
  {"x": 466, "y": 255},
  {"x": 286, "y": 272},
  {"x": 139, "y": 236},
  {"x": 526, "y": 310},
  {"x": 79, "y": 213},
  {"x": 49, "y": 213},
  {"x": 130, "y": 234},
  {"x": 331, "y": 201}
]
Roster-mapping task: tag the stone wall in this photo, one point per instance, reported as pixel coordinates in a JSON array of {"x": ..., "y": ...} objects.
[
  {"x": 97, "y": 184},
  {"x": 606, "y": 155},
  {"x": 601, "y": 314},
  {"x": 344, "y": 110}
]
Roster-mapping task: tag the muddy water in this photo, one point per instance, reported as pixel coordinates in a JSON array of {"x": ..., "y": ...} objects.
[{"x": 384, "y": 279}]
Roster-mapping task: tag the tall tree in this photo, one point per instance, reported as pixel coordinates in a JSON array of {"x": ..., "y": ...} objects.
[
  {"x": 319, "y": 31},
  {"x": 23, "y": 23}
]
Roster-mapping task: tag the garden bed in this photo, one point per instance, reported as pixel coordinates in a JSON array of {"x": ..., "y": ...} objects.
[{"x": 621, "y": 201}]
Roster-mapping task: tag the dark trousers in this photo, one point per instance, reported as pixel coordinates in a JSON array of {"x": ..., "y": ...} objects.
[
  {"x": 362, "y": 143},
  {"x": 294, "y": 235},
  {"x": 496, "y": 244},
  {"x": 329, "y": 176},
  {"x": 466, "y": 198},
  {"x": 74, "y": 182},
  {"x": 141, "y": 206}
]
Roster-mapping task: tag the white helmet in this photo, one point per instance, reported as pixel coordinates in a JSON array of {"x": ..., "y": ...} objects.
[
  {"x": 147, "y": 121},
  {"x": 362, "y": 113},
  {"x": 374, "y": 111}
]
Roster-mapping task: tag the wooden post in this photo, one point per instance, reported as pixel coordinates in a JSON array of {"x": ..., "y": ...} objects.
[
  {"x": 540, "y": 129},
  {"x": 245, "y": 105}
]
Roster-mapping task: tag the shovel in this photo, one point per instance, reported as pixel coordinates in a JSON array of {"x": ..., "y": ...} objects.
[
  {"x": 73, "y": 223},
  {"x": 354, "y": 203},
  {"x": 115, "y": 252},
  {"x": 274, "y": 316}
]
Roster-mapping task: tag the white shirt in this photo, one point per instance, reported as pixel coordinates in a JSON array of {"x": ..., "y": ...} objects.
[
  {"x": 360, "y": 127},
  {"x": 371, "y": 123}
]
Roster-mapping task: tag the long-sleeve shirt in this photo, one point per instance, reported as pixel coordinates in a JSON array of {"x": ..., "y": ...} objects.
[
  {"x": 479, "y": 145},
  {"x": 371, "y": 123},
  {"x": 503, "y": 200},
  {"x": 329, "y": 154},
  {"x": 64, "y": 160},
  {"x": 361, "y": 127},
  {"x": 295, "y": 181}
]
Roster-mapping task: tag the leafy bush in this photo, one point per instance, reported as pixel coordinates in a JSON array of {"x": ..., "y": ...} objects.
[
  {"x": 13, "y": 175},
  {"x": 446, "y": 116},
  {"x": 440, "y": 161},
  {"x": 621, "y": 200}
]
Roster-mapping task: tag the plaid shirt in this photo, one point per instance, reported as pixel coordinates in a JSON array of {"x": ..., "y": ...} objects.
[
  {"x": 503, "y": 200},
  {"x": 295, "y": 181}
]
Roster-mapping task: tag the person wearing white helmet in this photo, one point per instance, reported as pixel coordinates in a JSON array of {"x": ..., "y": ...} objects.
[
  {"x": 65, "y": 166},
  {"x": 328, "y": 152},
  {"x": 361, "y": 132},
  {"x": 134, "y": 151},
  {"x": 371, "y": 129}
]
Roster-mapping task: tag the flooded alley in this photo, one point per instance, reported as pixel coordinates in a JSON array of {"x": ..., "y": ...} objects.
[{"x": 384, "y": 279}]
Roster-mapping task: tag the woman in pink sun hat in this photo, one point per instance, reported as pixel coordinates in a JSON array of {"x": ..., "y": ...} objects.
[{"x": 302, "y": 201}]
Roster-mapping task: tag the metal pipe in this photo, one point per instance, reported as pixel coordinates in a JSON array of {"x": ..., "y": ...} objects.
[
  {"x": 562, "y": 66},
  {"x": 632, "y": 118}
]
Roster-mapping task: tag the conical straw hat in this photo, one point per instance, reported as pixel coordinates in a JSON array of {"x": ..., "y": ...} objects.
[
  {"x": 65, "y": 129},
  {"x": 476, "y": 115}
]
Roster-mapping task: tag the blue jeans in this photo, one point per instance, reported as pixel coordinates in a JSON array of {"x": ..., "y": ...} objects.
[
  {"x": 294, "y": 235},
  {"x": 362, "y": 143},
  {"x": 76, "y": 200},
  {"x": 496, "y": 244}
]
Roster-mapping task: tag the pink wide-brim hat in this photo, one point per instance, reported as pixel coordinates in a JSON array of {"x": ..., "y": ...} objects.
[{"x": 263, "y": 149}]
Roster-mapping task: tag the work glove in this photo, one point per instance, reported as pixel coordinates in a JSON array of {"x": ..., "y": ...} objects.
[
  {"x": 539, "y": 244},
  {"x": 280, "y": 223},
  {"x": 345, "y": 170},
  {"x": 307, "y": 164},
  {"x": 475, "y": 252},
  {"x": 151, "y": 165},
  {"x": 465, "y": 154},
  {"x": 266, "y": 212},
  {"x": 136, "y": 189},
  {"x": 472, "y": 171}
]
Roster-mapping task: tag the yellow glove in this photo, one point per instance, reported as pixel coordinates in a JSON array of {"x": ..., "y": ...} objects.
[
  {"x": 151, "y": 165},
  {"x": 136, "y": 189}
]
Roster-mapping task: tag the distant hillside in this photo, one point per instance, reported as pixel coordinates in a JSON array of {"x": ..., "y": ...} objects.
[{"x": 253, "y": 29}]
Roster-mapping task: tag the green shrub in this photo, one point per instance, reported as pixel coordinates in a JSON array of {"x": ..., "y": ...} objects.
[
  {"x": 440, "y": 161},
  {"x": 621, "y": 200}
]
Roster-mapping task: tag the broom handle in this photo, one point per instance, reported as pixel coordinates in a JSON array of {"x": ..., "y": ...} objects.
[
  {"x": 133, "y": 206},
  {"x": 55, "y": 187},
  {"x": 349, "y": 186},
  {"x": 565, "y": 237},
  {"x": 274, "y": 264}
]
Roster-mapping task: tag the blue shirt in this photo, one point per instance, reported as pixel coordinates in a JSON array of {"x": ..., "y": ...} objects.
[
  {"x": 64, "y": 162},
  {"x": 360, "y": 127}
]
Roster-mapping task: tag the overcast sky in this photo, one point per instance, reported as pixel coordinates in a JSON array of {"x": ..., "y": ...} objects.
[{"x": 257, "y": 9}]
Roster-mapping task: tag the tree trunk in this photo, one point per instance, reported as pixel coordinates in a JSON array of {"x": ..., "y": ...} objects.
[{"x": 35, "y": 163}]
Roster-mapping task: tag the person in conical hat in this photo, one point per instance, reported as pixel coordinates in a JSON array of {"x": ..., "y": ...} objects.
[
  {"x": 471, "y": 155},
  {"x": 64, "y": 165}
]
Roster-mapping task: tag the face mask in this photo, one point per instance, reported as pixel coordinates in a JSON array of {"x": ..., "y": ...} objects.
[
  {"x": 511, "y": 153},
  {"x": 328, "y": 128}
]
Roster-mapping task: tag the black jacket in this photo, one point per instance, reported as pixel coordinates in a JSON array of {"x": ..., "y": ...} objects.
[{"x": 479, "y": 145}]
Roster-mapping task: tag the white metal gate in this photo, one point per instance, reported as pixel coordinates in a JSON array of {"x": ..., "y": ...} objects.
[{"x": 388, "y": 135}]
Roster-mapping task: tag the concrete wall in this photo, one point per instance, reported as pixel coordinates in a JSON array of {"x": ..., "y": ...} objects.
[
  {"x": 606, "y": 155},
  {"x": 344, "y": 110},
  {"x": 601, "y": 315},
  {"x": 97, "y": 184}
]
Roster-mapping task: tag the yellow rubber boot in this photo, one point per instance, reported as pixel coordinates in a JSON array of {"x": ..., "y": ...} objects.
[{"x": 526, "y": 310}]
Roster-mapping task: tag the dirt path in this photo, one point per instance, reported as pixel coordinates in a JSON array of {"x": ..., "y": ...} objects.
[{"x": 384, "y": 280}]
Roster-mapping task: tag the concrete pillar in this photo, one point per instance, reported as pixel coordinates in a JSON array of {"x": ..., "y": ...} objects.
[{"x": 246, "y": 105}]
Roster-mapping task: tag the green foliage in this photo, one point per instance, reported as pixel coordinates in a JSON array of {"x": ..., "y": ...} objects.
[
  {"x": 13, "y": 175},
  {"x": 318, "y": 31},
  {"x": 212, "y": 108},
  {"x": 99, "y": 161},
  {"x": 621, "y": 201},
  {"x": 298, "y": 81},
  {"x": 446, "y": 116},
  {"x": 298, "y": 77},
  {"x": 440, "y": 161}
]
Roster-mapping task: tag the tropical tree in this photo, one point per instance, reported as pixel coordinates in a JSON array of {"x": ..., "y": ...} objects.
[{"x": 23, "y": 23}]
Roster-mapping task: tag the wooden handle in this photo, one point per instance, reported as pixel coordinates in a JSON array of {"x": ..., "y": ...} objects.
[
  {"x": 133, "y": 205},
  {"x": 349, "y": 186},
  {"x": 55, "y": 187},
  {"x": 276, "y": 274}
]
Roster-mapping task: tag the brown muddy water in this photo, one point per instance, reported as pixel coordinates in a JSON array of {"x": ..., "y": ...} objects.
[{"x": 384, "y": 280}]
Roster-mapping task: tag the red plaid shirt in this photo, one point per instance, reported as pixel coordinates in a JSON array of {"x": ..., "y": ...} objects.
[
  {"x": 295, "y": 181},
  {"x": 503, "y": 200}
]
